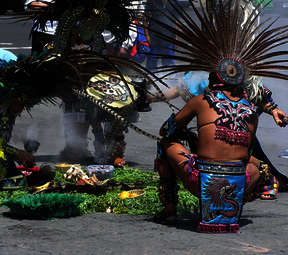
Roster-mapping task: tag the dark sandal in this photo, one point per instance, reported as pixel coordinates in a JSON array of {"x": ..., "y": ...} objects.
[
  {"x": 268, "y": 197},
  {"x": 165, "y": 217}
]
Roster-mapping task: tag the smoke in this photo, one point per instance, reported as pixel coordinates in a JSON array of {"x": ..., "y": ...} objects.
[
  {"x": 84, "y": 135},
  {"x": 31, "y": 143},
  {"x": 32, "y": 132}
]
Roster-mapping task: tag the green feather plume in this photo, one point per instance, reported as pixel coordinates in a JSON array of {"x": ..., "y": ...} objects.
[{"x": 45, "y": 205}]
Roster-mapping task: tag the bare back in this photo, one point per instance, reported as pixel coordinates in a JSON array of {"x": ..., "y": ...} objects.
[{"x": 210, "y": 146}]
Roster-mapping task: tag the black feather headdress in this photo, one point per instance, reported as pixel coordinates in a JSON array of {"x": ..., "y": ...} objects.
[
  {"x": 227, "y": 40},
  {"x": 61, "y": 70},
  {"x": 91, "y": 17}
]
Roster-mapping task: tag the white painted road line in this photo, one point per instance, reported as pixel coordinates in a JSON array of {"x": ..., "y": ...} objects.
[
  {"x": 16, "y": 48},
  {"x": 6, "y": 43}
]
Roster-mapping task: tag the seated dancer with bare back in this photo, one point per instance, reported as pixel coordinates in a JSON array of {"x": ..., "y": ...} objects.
[
  {"x": 222, "y": 173},
  {"x": 227, "y": 123},
  {"x": 195, "y": 83}
]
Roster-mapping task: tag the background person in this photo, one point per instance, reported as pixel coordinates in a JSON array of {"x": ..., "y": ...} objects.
[
  {"x": 78, "y": 115},
  {"x": 40, "y": 37},
  {"x": 156, "y": 10}
]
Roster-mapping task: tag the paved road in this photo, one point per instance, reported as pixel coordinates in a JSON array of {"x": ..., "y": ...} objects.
[
  {"x": 264, "y": 228},
  {"x": 264, "y": 224}
]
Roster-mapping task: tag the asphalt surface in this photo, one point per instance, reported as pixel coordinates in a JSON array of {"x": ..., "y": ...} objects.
[{"x": 264, "y": 224}]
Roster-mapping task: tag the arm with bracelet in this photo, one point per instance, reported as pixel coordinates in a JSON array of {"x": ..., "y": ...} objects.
[{"x": 268, "y": 105}]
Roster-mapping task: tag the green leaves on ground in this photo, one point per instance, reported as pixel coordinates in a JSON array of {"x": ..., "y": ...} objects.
[
  {"x": 45, "y": 205},
  {"x": 51, "y": 205},
  {"x": 131, "y": 176},
  {"x": 147, "y": 204},
  {"x": 12, "y": 194}
]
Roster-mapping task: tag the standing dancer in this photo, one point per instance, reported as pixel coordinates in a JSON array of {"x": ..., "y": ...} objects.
[
  {"x": 85, "y": 33},
  {"x": 79, "y": 35}
]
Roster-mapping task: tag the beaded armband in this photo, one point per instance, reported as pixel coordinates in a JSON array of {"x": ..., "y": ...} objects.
[
  {"x": 265, "y": 99},
  {"x": 268, "y": 109},
  {"x": 169, "y": 126},
  {"x": 266, "y": 94}
]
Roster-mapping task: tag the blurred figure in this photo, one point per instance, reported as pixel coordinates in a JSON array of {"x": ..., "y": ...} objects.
[
  {"x": 40, "y": 37},
  {"x": 9, "y": 110},
  {"x": 137, "y": 45},
  {"x": 156, "y": 10},
  {"x": 78, "y": 115}
]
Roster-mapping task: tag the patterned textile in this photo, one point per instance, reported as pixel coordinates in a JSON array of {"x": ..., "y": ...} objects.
[
  {"x": 169, "y": 126},
  {"x": 222, "y": 186},
  {"x": 232, "y": 125},
  {"x": 193, "y": 173},
  {"x": 270, "y": 189}
]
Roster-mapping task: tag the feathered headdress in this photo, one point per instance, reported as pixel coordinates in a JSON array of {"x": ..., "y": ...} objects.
[
  {"x": 40, "y": 78},
  {"x": 33, "y": 80},
  {"x": 88, "y": 17},
  {"x": 59, "y": 70},
  {"x": 223, "y": 40}
]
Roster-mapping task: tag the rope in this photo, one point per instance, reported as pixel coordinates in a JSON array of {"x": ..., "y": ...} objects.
[{"x": 83, "y": 94}]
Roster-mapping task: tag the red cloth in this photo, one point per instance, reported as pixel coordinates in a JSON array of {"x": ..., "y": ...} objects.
[
  {"x": 33, "y": 169},
  {"x": 27, "y": 171}
]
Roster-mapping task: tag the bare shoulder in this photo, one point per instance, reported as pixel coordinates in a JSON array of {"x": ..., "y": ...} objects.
[
  {"x": 194, "y": 105},
  {"x": 199, "y": 98},
  {"x": 196, "y": 101}
]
